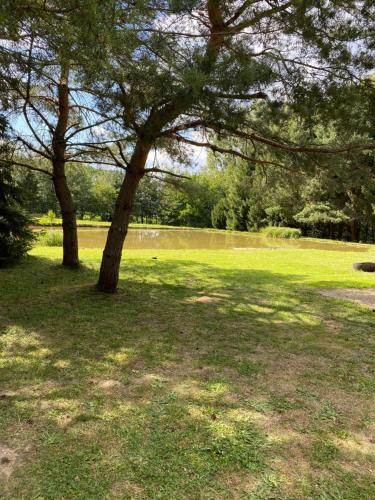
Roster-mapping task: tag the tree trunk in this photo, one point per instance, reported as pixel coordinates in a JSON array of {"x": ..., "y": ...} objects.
[
  {"x": 110, "y": 266},
  {"x": 354, "y": 230},
  {"x": 69, "y": 223}
]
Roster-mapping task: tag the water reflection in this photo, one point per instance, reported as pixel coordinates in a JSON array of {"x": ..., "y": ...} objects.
[{"x": 176, "y": 239}]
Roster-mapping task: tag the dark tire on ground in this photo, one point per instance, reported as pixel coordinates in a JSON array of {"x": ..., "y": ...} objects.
[{"x": 367, "y": 267}]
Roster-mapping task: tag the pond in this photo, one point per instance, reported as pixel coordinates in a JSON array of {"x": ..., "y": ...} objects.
[{"x": 176, "y": 239}]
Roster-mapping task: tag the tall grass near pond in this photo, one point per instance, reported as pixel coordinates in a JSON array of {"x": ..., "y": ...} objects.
[
  {"x": 282, "y": 232},
  {"x": 50, "y": 238}
]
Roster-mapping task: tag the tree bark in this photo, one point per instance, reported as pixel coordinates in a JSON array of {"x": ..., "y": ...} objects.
[
  {"x": 69, "y": 223},
  {"x": 110, "y": 266},
  {"x": 354, "y": 229}
]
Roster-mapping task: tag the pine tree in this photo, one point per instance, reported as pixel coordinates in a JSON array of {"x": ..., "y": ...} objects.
[
  {"x": 182, "y": 71},
  {"x": 15, "y": 234}
]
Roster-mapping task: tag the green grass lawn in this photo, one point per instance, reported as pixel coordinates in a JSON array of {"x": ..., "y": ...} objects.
[{"x": 211, "y": 374}]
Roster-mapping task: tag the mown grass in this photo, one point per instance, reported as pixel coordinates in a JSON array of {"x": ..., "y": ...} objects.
[{"x": 260, "y": 389}]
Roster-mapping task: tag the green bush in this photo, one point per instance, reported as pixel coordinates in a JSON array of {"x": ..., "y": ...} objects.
[
  {"x": 15, "y": 236},
  {"x": 281, "y": 232},
  {"x": 49, "y": 219},
  {"x": 50, "y": 238}
]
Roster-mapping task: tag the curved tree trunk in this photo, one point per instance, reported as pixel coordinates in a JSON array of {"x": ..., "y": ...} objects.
[{"x": 110, "y": 266}]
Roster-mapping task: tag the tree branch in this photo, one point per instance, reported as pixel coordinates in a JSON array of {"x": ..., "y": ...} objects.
[
  {"x": 221, "y": 150},
  {"x": 256, "y": 95},
  {"x": 261, "y": 15},
  {"x": 346, "y": 148},
  {"x": 25, "y": 165},
  {"x": 161, "y": 171},
  {"x": 37, "y": 151}
]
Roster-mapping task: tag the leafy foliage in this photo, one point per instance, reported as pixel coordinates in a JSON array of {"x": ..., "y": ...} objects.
[{"x": 49, "y": 219}]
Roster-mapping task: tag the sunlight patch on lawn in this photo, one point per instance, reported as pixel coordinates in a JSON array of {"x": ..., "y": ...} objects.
[{"x": 121, "y": 356}]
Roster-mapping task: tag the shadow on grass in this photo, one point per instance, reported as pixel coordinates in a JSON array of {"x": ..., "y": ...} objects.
[{"x": 115, "y": 390}]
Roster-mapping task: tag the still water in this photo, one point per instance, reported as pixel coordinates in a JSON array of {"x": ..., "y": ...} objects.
[{"x": 176, "y": 239}]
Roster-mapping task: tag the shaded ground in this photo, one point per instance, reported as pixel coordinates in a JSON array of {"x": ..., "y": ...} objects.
[
  {"x": 209, "y": 375},
  {"x": 364, "y": 296}
]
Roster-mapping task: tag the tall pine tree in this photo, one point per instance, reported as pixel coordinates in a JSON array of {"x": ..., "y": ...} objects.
[{"x": 15, "y": 234}]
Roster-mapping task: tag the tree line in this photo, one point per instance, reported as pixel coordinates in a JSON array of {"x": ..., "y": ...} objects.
[
  {"x": 328, "y": 201},
  {"x": 138, "y": 79},
  {"x": 94, "y": 192}
]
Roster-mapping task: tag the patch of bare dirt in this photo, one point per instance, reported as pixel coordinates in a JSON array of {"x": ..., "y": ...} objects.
[
  {"x": 8, "y": 394},
  {"x": 239, "y": 483},
  {"x": 331, "y": 326},
  {"x": 9, "y": 459},
  {"x": 127, "y": 488},
  {"x": 207, "y": 299},
  {"x": 363, "y": 296},
  {"x": 109, "y": 386}
]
